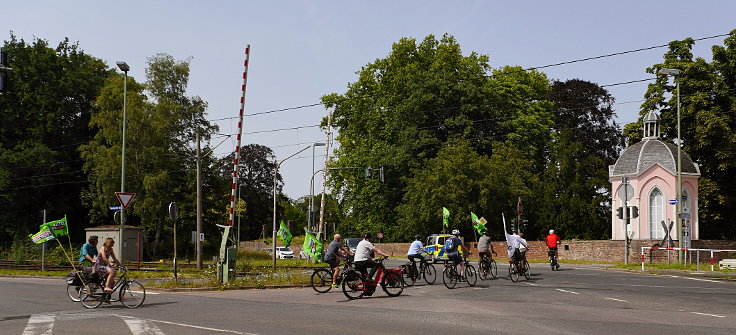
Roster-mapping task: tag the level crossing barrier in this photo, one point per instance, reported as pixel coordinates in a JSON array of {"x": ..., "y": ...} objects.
[{"x": 712, "y": 254}]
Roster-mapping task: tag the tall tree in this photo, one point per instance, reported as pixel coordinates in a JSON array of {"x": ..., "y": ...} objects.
[{"x": 45, "y": 112}]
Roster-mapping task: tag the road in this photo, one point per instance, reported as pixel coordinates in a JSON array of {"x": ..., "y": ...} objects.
[{"x": 575, "y": 300}]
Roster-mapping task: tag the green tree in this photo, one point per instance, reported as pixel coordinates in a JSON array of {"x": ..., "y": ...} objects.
[{"x": 45, "y": 113}]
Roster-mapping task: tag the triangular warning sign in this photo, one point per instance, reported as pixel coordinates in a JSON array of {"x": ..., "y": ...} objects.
[{"x": 125, "y": 198}]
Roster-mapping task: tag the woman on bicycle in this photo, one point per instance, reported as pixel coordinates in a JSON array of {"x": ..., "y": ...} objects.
[{"x": 104, "y": 265}]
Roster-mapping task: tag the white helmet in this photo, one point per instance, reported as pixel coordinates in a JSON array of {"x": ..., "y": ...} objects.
[
  {"x": 455, "y": 232},
  {"x": 551, "y": 231}
]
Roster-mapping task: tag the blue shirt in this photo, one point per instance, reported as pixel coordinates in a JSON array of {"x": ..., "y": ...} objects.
[
  {"x": 415, "y": 248},
  {"x": 87, "y": 249}
]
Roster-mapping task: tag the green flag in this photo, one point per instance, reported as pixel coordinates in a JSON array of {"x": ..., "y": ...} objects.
[
  {"x": 480, "y": 227},
  {"x": 58, "y": 227},
  {"x": 42, "y": 236},
  {"x": 284, "y": 234},
  {"x": 312, "y": 247},
  {"x": 445, "y": 217}
]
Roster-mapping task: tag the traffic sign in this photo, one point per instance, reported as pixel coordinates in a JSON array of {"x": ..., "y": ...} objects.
[
  {"x": 379, "y": 235},
  {"x": 114, "y": 208},
  {"x": 125, "y": 198},
  {"x": 519, "y": 207},
  {"x": 673, "y": 201}
]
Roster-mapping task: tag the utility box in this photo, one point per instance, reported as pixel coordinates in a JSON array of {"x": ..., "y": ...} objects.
[
  {"x": 131, "y": 246},
  {"x": 226, "y": 268},
  {"x": 727, "y": 263}
]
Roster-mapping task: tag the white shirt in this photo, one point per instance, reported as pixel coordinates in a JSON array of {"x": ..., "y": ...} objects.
[
  {"x": 415, "y": 248},
  {"x": 363, "y": 251},
  {"x": 513, "y": 242}
]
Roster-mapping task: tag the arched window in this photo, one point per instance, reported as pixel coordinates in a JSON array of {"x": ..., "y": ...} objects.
[{"x": 656, "y": 214}]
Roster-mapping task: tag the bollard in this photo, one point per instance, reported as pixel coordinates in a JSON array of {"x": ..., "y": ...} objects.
[{"x": 712, "y": 261}]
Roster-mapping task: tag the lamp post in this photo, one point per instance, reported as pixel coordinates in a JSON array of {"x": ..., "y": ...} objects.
[
  {"x": 125, "y": 68},
  {"x": 676, "y": 74},
  {"x": 311, "y": 188},
  {"x": 275, "y": 173}
]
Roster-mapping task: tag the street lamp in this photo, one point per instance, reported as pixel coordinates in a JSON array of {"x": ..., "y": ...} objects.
[
  {"x": 676, "y": 74},
  {"x": 275, "y": 173},
  {"x": 311, "y": 188},
  {"x": 125, "y": 68}
]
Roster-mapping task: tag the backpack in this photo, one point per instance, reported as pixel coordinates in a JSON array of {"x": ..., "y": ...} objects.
[{"x": 449, "y": 245}]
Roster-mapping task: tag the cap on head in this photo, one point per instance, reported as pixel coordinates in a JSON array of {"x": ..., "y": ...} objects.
[
  {"x": 485, "y": 232},
  {"x": 417, "y": 237},
  {"x": 551, "y": 231},
  {"x": 367, "y": 235},
  {"x": 455, "y": 232},
  {"x": 337, "y": 237}
]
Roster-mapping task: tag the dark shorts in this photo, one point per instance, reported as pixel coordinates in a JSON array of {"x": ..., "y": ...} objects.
[
  {"x": 552, "y": 251},
  {"x": 455, "y": 257},
  {"x": 333, "y": 263},
  {"x": 486, "y": 253}
]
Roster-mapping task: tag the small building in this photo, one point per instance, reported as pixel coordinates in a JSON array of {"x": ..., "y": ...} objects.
[
  {"x": 131, "y": 246},
  {"x": 651, "y": 168}
]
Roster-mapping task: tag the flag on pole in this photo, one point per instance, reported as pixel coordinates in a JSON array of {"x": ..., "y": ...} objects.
[
  {"x": 58, "y": 227},
  {"x": 44, "y": 235},
  {"x": 480, "y": 227},
  {"x": 312, "y": 247},
  {"x": 445, "y": 217},
  {"x": 284, "y": 234}
]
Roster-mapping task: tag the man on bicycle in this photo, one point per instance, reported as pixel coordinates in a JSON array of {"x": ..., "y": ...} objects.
[
  {"x": 334, "y": 253},
  {"x": 484, "y": 245},
  {"x": 88, "y": 252},
  {"x": 415, "y": 251},
  {"x": 363, "y": 260},
  {"x": 514, "y": 242},
  {"x": 453, "y": 245},
  {"x": 553, "y": 241}
]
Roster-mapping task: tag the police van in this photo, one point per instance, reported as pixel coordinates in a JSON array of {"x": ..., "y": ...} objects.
[{"x": 436, "y": 247}]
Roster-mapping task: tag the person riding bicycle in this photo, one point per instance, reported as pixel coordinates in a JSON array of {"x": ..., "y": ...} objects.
[
  {"x": 334, "y": 253},
  {"x": 363, "y": 260},
  {"x": 553, "y": 242},
  {"x": 415, "y": 251},
  {"x": 88, "y": 252},
  {"x": 453, "y": 245},
  {"x": 485, "y": 248},
  {"x": 104, "y": 265},
  {"x": 514, "y": 242}
]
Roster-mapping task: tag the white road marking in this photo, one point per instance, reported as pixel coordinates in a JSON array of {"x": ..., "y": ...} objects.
[
  {"x": 698, "y": 279},
  {"x": 706, "y": 314},
  {"x": 192, "y": 326},
  {"x": 40, "y": 324},
  {"x": 614, "y": 299},
  {"x": 142, "y": 327},
  {"x": 561, "y": 290},
  {"x": 530, "y": 284},
  {"x": 479, "y": 288}
]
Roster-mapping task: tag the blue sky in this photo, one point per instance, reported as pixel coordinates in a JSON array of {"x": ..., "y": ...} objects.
[{"x": 302, "y": 50}]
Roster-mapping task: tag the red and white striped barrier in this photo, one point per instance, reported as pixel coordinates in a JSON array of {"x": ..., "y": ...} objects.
[
  {"x": 712, "y": 251},
  {"x": 237, "y": 145}
]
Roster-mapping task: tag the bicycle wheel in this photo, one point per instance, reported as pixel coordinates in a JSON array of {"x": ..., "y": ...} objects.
[
  {"x": 430, "y": 274},
  {"x": 494, "y": 269},
  {"x": 527, "y": 270},
  {"x": 513, "y": 274},
  {"x": 353, "y": 285},
  {"x": 483, "y": 270},
  {"x": 449, "y": 278},
  {"x": 470, "y": 275},
  {"x": 132, "y": 294},
  {"x": 322, "y": 280},
  {"x": 89, "y": 296},
  {"x": 392, "y": 283},
  {"x": 408, "y": 275},
  {"x": 73, "y": 292}
]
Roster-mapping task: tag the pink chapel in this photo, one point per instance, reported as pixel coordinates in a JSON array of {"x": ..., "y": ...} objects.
[{"x": 651, "y": 169}]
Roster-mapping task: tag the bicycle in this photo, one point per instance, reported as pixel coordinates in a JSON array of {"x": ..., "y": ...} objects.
[
  {"x": 553, "y": 260},
  {"x": 525, "y": 270},
  {"x": 488, "y": 267},
  {"x": 450, "y": 276},
  {"x": 412, "y": 274},
  {"x": 321, "y": 279},
  {"x": 130, "y": 292},
  {"x": 354, "y": 286},
  {"x": 75, "y": 281}
]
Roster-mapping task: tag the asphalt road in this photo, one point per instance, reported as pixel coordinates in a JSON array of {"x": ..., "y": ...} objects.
[{"x": 575, "y": 300}]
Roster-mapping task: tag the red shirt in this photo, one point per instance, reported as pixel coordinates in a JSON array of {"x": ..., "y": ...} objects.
[{"x": 552, "y": 240}]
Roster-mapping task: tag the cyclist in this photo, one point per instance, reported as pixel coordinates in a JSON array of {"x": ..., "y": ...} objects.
[
  {"x": 514, "y": 242},
  {"x": 104, "y": 265},
  {"x": 334, "y": 253},
  {"x": 88, "y": 252},
  {"x": 415, "y": 251},
  {"x": 484, "y": 244},
  {"x": 363, "y": 260},
  {"x": 553, "y": 241},
  {"x": 452, "y": 248}
]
